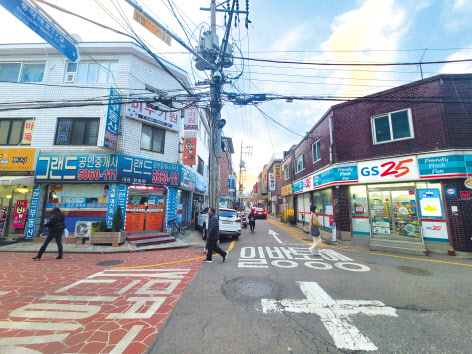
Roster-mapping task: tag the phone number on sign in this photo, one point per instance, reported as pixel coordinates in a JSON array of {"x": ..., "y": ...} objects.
[
  {"x": 94, "y": 175},
  {"x": 163, "y": 177}
]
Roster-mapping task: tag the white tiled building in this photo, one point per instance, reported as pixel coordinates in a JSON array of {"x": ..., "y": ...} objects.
[{"x": 32, "y": 75}]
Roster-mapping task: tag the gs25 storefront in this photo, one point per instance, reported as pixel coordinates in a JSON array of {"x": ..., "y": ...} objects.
[
  {"x": 414, "y": 198},
  {"x": 89, "y": 188}
]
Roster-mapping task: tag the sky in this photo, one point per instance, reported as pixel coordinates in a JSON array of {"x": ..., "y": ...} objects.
[{"x": 328, "y": 31}]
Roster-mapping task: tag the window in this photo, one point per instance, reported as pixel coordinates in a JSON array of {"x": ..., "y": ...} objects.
[
  {"x": 200, "y": 166},
  {"x": 392, "y": 126},
  {"x": 16, "y": 131},
  {"x": 22, "y": 72},
  {"x": 77, "y": 131},
  {"x": 92, "y": 72},
  {"x": 286, "y": 172},
  {"x": 300, "y": 163},
  {"x": 153, "y": 139},
  {"x": 316, "y": 151}
]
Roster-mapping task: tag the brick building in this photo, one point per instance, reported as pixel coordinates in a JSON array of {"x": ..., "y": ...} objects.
[
  {"x": 87, "y": 160},
  {"x": 227, "y": 198},
  {"x": 390, "y": 170}
]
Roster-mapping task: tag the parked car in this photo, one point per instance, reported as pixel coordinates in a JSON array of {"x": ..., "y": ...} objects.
[
  {"x": 229, "y": 221},
  {"x": 260, "y": 213}
]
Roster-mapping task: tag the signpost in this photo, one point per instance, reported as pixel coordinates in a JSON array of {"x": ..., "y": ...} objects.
[
  {"x": 43, "y": 27},
  {"x": 151, "y": 27}
]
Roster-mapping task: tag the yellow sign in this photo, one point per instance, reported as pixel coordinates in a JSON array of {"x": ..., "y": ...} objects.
[
  {"x": 277, "y": 172},
  {"x": 468, "y": 183},
  {"x": 286, "y": 190},
  {"x": 17, "y": 159},
  {"x": 151, "y": 26}
]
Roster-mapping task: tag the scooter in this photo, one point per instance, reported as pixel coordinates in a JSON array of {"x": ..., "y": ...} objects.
[{"x": 243, "y": 217}]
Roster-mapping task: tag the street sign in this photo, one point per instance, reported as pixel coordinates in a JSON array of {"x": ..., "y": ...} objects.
[
  {"x": 151, "y": 27},
  {"x": 43, "y": 27}
]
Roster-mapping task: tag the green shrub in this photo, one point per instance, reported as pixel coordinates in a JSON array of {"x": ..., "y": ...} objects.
[
  {"x": 117, "y": 224},
  {"x": 102, "y": 226}
]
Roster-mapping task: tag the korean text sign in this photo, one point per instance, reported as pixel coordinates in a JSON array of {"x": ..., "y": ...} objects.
[
  {"x": 17, "y": 159},
  {"x": 277, "y": 172},
  {"x": 33, "y": 212},
  {"x": 191, "y": 119},
  {"x": 189, "y": 154},
  {"x": 159, "y": 114},
  {"x": 143, "y": 171},
  {"x": 19, "y": 217},
  {"x": 113, "y": 120}
]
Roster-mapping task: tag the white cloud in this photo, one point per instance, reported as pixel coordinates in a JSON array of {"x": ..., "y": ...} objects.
[
  {"x": 458, "y": 4},
  {"x": 458, "y": 68}
]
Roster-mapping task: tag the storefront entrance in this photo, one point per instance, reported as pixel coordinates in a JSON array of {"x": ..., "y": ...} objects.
[
  {"x": 145, "y": 208},
  {"x": 394, "y": 214}
]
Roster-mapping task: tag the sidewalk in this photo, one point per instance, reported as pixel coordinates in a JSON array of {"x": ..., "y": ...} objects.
[{"x": 192, "y": 238}]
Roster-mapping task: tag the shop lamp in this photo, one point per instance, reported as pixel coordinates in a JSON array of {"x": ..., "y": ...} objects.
[
  {"x": 22, "y": 190},
  {"x": 8, "y": 196}
]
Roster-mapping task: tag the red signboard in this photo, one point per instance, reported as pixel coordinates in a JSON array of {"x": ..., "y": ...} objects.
[
  {"x": 190, "y": 156},
  {"x": 19, "y": 217},
  {"x": 465, "y": 195}
]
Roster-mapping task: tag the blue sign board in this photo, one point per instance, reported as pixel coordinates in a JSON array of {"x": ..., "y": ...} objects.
[
  {"x": 113, "y": 120},
  {"x": 106, "y": 168},
  {"x": 430, "y": 203},
  {"x": 188, "y": 179},
  {"x": 442, "y": 166},
  {"x": 201, "y": 183},
  {"x": 172, "y": 198},
  {"x": 451, "y": 192},
  {"x": 118, "y": 196},
  {"x": 33, "y": 212},
  {"x": 468, "y": 163},
  {"x": 43, "y": 27},
  {"x": 345, "y": 174},
  {"x": 298, "y": 187}
]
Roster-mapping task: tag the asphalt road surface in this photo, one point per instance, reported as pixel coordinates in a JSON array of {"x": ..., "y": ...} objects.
[{"x": 272, "y": 296}]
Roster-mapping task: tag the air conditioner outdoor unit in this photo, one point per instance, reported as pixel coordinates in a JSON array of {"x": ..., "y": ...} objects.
[
  {"x": 70, "y": 78},
  {"x": 83, "y": 228}
]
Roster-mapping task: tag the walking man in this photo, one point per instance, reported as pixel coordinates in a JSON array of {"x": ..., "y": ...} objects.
[{"x": 213, "y": 237}]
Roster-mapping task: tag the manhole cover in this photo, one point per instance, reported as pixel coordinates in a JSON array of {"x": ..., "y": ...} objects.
[
  {"x": 254, "y": 289},
  {"x": 110, "y": 263},
  {"x": 414, "y": 271}
]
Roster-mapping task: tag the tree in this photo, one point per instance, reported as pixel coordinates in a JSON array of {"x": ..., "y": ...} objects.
[{"x": 117, "y": 223}]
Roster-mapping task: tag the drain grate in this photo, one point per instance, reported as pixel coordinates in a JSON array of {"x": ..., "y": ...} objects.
[
  {"x": 254, "y": 289},
  {"x": 110, "y": 262},
  {"x": 414, "y": 271}
]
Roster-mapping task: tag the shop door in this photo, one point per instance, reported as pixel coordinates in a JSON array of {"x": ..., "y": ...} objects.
[{"x": 394, "y": 214}]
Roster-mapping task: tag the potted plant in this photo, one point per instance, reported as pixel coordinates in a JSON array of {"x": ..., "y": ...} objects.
[{"x": 114, "y": 237}]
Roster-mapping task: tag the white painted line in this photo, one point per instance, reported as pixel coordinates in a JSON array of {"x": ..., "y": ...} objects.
[
  {"x": 33, "y": 340},
  {"x": 126, "y": 340},
  {"x": 78, "y": 298},
  {"x": 64, "y": 289},
  {"x": 4, "y": 292},
  {"x": 273, "y": 233},
  {"x": 148, "y": 270},
  {"x": 40, "y": 326},
  {"x": 334, "y": 314},
  {"x": 127, "y": 287}
]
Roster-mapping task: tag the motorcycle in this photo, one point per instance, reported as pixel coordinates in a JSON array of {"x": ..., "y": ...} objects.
[{"x": 243, "y": 218}]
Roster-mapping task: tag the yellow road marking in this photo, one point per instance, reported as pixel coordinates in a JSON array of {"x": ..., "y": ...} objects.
[
  {"x": 180, "y": 261},
  {"x": 378, "y": 254}
]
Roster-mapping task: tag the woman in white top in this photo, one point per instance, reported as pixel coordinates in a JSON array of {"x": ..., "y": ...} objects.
[{"x": 314, "y": 222}]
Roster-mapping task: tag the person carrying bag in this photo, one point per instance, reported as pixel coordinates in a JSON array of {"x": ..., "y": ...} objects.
[{"x": 315, "y": 232}]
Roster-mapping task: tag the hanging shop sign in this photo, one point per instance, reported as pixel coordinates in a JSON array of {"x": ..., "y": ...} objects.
[
  {"x": 277, "y": 172},
  {"x": 17, "y": 159},
  {"x": 147, "y": 23},
  {"x": 159, "y": 114},
  {"x": 19, "y": 216},
  {"x": 113, "y": 120},
  {"x": 118, "y": 196},
  {"x": 106, "y": 168},
  {"x": 191, "y": 118},
  {"x": 450, "y": 165},
  {"x": 190, "y": 148},
  {"x": 33, "y": 212},
  {"x": 389, "y": 170},
  {"x": 286, "y": 190},
  {"x": 271, "y": 182},
  {"x": 28, "y": 132},
  {"x": 430, "y": 203},
  {"x": 188, "y": 179}
]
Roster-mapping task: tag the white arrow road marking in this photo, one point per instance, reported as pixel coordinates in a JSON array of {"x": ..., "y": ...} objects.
[
  {"x": 273, "y": 233},
  {"x": 333, "y": 313}
]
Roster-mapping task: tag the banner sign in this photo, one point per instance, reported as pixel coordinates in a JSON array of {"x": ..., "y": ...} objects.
[
  {"x": 118, "y": 196},
  {"x": 442, "y": 165},
  {"x": 271, "y": 182},
  {"x": 188, "y": 179},
  {"x": 201, "y": 183},
  {"x": 160, "y": 115},
  {"x": 19, "y": 216},
  {"x": 277, "y": 172},
  {"x": 190, "y": 149},
  {"x": 113, "y": 120},
  {"x": 389, "y": 170},
  {"x": 28, "y": 132},
  {"x": 151, "y": 27},
  {"x": 106, "y": 168},
  {"x": 286, "y": 190},
  {"x": 191, "y": 119},
  {"x": 33, "y": 212},
  {"x": 17, "y": 159}
]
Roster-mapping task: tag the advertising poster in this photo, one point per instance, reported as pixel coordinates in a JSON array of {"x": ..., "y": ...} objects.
[
  {"x": 278, "y": 172},
  {"x": 19, "y": 217},
  {"x": 430, "y": 203},
  {"x": 83, "y": 196},
  {"x": 191, "y": 119},
  {"x": 189, "y": 154},
  {"x": 3, "y": 219}
]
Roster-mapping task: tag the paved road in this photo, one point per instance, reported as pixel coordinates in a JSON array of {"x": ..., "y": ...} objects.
[{"x": 272, "y": 296}]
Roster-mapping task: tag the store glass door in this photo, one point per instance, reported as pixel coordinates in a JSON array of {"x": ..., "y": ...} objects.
[{"x": 394, "y": 214}]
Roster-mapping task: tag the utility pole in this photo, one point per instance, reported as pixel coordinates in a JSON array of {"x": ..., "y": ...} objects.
[{"x": 241, "y": 166}]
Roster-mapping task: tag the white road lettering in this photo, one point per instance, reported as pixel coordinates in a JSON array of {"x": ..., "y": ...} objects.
[
  {"x": 273, "y": 233},
  {"x": 334, "y": 314}
]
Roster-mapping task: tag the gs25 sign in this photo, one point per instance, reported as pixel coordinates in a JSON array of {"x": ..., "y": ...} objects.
[{"x": 394, "y": 169}]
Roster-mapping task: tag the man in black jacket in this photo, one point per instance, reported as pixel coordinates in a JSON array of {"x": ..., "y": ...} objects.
[{"x": 213, "y": 237}]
